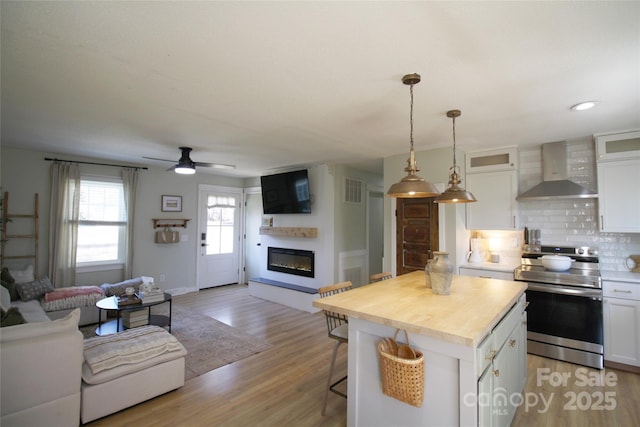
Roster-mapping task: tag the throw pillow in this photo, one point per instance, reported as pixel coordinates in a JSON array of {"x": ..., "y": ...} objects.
[
  {"x": 118, "y": 289},
  {"x": 35, "y": 289},
  {"x": 23, "y": 276},
  {"x": 5, "y": 299},
  {"x": 6, "y": 276},
  {"x": 11, "y": 287},
  {"x": 11, "y": 317}
]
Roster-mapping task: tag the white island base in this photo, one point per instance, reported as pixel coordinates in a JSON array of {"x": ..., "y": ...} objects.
[
  {"x": 473, "y": 341},
  {"x": 450, "y": 374}
]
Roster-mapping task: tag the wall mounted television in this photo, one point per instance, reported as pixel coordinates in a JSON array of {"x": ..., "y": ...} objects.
[{"x": 286, "y": 193}]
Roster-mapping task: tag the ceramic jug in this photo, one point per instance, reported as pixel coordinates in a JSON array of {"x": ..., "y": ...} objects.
[
  {"x": 427, "y": 273},
  {"x": 440, "y": 273}
]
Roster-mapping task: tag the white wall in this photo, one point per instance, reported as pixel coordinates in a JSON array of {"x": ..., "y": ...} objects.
[
  {"x": 434, "y": 167},
  {"x": 26, "y": 172},
  {"x": 321, "y": 185}
]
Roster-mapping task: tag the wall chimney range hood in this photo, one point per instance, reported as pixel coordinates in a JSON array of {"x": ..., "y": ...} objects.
[{"x": 555, "y": 183}]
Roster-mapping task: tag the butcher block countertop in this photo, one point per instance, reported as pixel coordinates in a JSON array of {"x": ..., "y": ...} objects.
[{"x": 465, "y": 317}]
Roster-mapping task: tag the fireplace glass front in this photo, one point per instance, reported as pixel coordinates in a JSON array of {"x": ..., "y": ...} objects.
[{"x": 291, "y": 261}]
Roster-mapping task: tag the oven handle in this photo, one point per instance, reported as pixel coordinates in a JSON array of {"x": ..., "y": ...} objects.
[{"x": 565, "y": 290}]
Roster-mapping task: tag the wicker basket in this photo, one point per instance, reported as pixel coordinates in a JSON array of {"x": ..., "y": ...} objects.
[{"x": 402, "y": 379}]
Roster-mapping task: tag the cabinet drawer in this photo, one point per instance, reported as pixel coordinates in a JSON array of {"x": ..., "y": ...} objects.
[
  {"x": 489, "y": 274},
  {"x": 484, "y": 354},
  {"x": 623, "y": 290},
  {"x": 503, "y": 329},
  {"x": 491, "y": 344}
]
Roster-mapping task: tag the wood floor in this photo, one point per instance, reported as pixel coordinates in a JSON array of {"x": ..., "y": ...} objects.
[{"x": 284, "y": 386}]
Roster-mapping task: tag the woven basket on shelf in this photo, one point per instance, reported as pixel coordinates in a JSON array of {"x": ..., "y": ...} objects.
[{"x": 402, "y": 379}]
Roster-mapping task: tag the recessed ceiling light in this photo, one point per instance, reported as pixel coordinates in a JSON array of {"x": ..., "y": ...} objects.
[{"x": 584, "y": 106}]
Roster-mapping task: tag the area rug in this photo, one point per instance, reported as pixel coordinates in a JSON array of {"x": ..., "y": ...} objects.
[{"x": 210, "y": 344}]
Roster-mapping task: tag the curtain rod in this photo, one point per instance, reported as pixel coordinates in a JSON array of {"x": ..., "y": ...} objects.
[{"x": 93, "y": 163}]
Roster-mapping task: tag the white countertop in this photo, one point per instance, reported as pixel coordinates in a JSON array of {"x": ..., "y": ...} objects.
[
  {"x": 465, "y": 317},
  {"x": 620, "y": 276}
]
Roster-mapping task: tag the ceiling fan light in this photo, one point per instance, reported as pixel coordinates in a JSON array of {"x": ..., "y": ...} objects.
[{"x": 185, "y": 169}]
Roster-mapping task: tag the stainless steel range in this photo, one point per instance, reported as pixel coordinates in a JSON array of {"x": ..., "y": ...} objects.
[{"x": 564, "y": 315}]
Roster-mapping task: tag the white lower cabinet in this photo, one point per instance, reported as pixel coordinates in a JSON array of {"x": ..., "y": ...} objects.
[
  {"x": 487, "y": 274},
  {"x": 622, "y": 322},
  {"x": 504, "y": 378}
]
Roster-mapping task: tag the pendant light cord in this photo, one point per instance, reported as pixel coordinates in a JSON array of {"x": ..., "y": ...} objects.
[
  {"x": 411, "y": 116},
  {"x": 454, "y": 142}
]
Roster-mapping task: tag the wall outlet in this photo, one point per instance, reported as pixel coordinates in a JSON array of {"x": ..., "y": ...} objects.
[
  {"x": 184, "y": 237},
  {"x": 162, "y": 278}
]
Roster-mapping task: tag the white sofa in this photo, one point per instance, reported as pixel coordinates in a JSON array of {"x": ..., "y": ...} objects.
[
  {"x": 41, "y": 365},
  {"x": 45, "y": 380},
  {"x": 50, "y": 304}
]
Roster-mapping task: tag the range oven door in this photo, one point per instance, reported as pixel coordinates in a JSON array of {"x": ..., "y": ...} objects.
[{"x": 565, "y": 320}]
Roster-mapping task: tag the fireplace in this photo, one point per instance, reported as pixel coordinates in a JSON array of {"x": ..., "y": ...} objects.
[{"x": 291, "y": 261}]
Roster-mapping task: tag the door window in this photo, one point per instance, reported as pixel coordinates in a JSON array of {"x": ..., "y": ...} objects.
[{"x": 221, "y": 212}]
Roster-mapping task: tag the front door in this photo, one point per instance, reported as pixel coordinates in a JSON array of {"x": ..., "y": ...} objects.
[
  {"x": 416, "y": 233},
  {"x": 219, "y": 236}
]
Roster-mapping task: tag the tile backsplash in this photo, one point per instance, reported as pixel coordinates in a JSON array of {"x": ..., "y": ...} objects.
[{"x": 572, "y": 222}]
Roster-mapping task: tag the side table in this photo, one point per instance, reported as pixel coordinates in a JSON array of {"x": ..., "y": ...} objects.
[{"x": 114, "y": 326}]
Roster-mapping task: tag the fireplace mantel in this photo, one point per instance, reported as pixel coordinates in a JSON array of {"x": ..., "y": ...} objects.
[{"x": 309, "y": 232}]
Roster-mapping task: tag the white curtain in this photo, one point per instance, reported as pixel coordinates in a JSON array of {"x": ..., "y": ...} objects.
[
  {"x": 63, "y": 223},
  {"x": 129, "y": 183}
]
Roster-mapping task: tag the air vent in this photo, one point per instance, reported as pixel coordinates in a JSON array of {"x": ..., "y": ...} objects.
[{"x": 352, "y": 191}]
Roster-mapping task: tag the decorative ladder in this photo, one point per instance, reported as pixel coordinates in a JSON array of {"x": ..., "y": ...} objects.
[{"x": 7, "y": 218}]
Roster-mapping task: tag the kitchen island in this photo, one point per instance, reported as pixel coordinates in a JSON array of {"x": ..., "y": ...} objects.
[{"x": 473, "y": 341}]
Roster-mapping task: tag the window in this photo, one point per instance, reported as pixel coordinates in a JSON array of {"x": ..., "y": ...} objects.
[
  {"x": 220, "y": 224},
  {"x": 102, "y": 222}
]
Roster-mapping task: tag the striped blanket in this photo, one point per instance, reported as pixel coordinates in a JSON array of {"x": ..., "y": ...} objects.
[
  {"x": 128, "y": 347},
  {"x": 71, "y": 297}
]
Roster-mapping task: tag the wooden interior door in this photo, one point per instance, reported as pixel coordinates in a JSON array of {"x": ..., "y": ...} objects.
[{"x": 416, "y": 233}]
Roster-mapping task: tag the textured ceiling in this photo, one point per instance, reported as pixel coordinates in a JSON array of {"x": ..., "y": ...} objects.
[{"x": 267, "y": 85}]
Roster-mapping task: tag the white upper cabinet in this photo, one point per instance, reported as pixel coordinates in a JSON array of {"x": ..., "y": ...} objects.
[
  {"x": 619, "y": 181},
  {"x": 618, "y": 146},
  {"x": 492, "y": 177},
  {"x": 492, "y": 160}
]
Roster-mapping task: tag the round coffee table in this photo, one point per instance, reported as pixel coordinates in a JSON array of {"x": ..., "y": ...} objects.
[{"x": 114, "y": 326}]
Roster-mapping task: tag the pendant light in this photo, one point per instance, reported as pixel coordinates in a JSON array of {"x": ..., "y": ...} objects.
[
  {"x": 412, "y": 185},
  {"x": 455, "y": 193}
]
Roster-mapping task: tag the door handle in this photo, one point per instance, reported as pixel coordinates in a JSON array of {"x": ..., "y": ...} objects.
[{"x": 258, "y": 244}]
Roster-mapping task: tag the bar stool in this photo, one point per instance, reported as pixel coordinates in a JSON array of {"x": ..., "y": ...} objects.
[
  {"x": 380, "y": 276},
  {"x": 338, "y": 329}
]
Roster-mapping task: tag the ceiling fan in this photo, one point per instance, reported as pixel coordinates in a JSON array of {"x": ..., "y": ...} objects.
[{"x": 187, "y": 166}]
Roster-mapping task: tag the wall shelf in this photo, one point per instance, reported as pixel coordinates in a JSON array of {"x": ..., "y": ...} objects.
[
  {"x": 308, "y": 232},
  {"x": 169, "y": 222}
]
